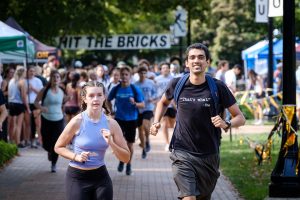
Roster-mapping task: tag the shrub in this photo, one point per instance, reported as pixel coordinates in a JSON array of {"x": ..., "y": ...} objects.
[{"x": 8, "y": 151}]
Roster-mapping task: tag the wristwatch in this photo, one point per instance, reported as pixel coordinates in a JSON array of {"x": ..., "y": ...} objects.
[{"x": 228, "y": 123}]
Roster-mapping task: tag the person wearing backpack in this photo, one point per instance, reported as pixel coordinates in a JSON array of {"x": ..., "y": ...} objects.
[
  {"x": 197, "y": 134},
  {"x": 128, "y": 99}
]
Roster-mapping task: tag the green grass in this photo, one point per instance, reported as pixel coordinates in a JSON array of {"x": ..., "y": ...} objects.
[
  {"x": 239, "y": 164},
  {"x": 7, "y": 152}
]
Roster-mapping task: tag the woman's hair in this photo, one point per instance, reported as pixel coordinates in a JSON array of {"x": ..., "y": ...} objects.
[
  {"x": 252, "y": 76},
  {"x": 74, "y": 80},
  {"x": 84, "y": 75},
  {"x": 83, "y": 94},
  {"x": 19, "y": 72},
  {"x": 102, "y": 67},
  {"x": 53, "y": 72},
  {"x": 6, "y": 73}
]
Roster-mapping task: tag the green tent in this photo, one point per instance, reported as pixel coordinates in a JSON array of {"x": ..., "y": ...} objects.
[{"x": 14, "y": 45}]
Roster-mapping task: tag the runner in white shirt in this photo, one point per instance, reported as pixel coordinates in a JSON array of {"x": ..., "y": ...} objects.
[
  {"x": 149, "y": 89},
  {"x": 114, "y": 81},
  {"x": 144, "y": 63},
  {"x": 32, "y": 119},
  {"x": 162, "y": 82}
]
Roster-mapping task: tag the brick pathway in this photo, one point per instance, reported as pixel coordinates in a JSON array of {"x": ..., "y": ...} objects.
[{"x": 28, "y": 177}]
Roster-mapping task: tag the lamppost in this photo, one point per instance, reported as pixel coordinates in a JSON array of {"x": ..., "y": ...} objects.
[{"x": 285, "y": 181}]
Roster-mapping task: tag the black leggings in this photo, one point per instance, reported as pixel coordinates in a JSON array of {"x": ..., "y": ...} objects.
[
  {"x": 51, "y": 130},
  {"x": 88, "y": 184}
]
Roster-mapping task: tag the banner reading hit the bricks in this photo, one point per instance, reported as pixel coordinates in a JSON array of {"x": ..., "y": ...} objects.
[{"x": 139, "y": 41}]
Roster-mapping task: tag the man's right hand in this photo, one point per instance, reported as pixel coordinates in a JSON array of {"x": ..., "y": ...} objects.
[{"x": 154, "y": 128}]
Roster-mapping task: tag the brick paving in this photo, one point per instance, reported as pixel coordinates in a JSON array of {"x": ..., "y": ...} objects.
[{"x": 28, "y": 177}]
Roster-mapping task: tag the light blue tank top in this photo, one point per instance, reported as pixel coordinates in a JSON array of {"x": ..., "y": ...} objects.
[
  {"x": 89, "y": 138},
  {"x": 54, "y": 101},
  {"x": 14, "y": 92}
]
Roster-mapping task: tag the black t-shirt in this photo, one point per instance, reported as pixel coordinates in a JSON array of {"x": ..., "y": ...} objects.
[{"x": 194, "y": 131}]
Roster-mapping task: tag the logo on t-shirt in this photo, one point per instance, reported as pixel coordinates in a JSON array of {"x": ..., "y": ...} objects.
[{"x": 203, "y": 101}]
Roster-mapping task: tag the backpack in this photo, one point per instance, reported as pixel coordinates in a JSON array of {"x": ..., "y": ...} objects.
[
  {"x": 212, "y": 87},
  {"x": 117, "y": 87}
]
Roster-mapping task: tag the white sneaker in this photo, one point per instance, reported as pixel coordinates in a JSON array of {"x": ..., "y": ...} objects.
[{"x": 258, "y": 122}]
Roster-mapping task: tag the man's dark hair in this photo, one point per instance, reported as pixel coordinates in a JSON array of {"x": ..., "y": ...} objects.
[
  {"x": 142, "y": 69},
  {"x": 197, "y": 46},
  {"x": 238, "y": 66}
]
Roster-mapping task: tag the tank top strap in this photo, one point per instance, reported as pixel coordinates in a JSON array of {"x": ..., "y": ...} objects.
[
  {"x": 105, "y": 120},
  {"x": 82, "y": 124}
]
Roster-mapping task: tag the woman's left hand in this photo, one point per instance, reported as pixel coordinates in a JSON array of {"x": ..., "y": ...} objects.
[{"x": 107, "y": 135}]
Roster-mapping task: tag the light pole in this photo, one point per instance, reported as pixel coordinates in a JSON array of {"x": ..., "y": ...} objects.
[{"x": 285, "y": 181}]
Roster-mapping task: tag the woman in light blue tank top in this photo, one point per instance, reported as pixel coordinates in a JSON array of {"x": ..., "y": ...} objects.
[
  {"x": 52, "y": 119},
  {"x": 91, "y": 132}
]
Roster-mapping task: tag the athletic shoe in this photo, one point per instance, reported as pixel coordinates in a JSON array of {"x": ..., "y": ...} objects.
[
  {"x": 33, "y": 144},
  {"x": 128, "y": 170},
  {"x": 148, "y": 147},
  {"x": 53, "y": 168},
  {"x": 120, "y": 166},
  {"x": 144, "y": 154}
]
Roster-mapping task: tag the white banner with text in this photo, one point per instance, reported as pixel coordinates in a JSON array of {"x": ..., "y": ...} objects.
[{"x": 121, "y": 42}]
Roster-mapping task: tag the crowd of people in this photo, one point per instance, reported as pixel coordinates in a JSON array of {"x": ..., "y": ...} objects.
[
  {"x": 62, "y": 105},
  {"x": 38, "y": 101}
]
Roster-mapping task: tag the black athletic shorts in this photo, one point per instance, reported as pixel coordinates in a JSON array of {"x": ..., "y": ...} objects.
[
  {"x": 16, "y": 109},
  {"x": 145, "y": 115},
  {"x": 128, "y": 129},
  {"x": 194, "y": 175},
  {"x": 32, "y": 107},
  {"x": 171, "y": 112},
  {"x": 72, "y": 110}
]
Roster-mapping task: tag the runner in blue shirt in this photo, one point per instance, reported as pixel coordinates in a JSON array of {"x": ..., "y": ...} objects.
[{"x": 128, "y": 98}]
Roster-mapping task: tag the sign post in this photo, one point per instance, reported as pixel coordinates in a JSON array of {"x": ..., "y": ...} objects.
[{"x": 180, "y": 29}]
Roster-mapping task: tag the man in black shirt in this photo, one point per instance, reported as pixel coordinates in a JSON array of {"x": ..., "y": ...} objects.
[{"x": 197, "y": 135}]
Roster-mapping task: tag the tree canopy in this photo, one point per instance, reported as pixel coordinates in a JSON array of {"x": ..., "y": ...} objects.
[{"x": 226, "y": 26}]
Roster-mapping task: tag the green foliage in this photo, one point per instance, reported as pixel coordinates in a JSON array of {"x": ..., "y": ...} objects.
[
  {"x": 227, "y": 26},
  {"x": 238, "y": 162},
  {"x": 8, "y": 151}
]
